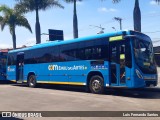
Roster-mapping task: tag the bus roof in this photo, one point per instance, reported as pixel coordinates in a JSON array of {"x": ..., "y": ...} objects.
[{"x": 60, "y": 42}]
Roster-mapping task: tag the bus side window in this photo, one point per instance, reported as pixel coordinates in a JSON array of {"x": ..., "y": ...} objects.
[
  {"x": 104, "y": 52},
  {"x": 55, "y": 54},
  {"x": 81, "y": 54},
  {"x": 88, "y": 53},
  {"x": 47, "y": 58},
  {"x": 114, "y": 54},
  {"x": 96, "y": 53},
  {"x": 10, "y": 60},
  {"x": 122, "y": 51}
]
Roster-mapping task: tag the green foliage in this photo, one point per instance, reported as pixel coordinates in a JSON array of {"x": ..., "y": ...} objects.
[
  {"x": 32, "y": 5},
  {"x": 114, "y": 1},
  {"x": 71, "y": 1},
  {"x": 12, "y": 18},
  {"x": 24, "y": 6}
]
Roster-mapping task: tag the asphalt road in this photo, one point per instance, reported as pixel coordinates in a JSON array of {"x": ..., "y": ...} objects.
[
  {"x": 22, "y": 98},
  {"x": 49, "y": 98}
]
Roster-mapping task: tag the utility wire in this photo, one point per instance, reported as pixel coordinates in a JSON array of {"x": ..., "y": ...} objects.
[{"x": 152, "y": 32}]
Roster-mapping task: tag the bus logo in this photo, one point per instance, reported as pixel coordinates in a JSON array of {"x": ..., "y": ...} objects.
[
  {"x": 53, "y": 67},
  {"x": 57, "y": 67}
]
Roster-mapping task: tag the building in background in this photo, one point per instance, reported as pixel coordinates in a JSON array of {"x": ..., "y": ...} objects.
[{"x": 157, "y": 55}]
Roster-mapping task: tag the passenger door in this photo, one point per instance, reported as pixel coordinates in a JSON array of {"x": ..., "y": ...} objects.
[
  {"x": 19, "y": 67},
  {"x": 119, "y": 60}
]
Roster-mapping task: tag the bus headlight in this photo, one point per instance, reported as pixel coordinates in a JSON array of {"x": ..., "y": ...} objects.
[{"x": 139, "y": 74}]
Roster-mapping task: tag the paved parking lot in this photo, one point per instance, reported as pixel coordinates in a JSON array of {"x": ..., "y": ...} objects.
[
  {"x": 22, "y": 98},
  {"x": 49, "y": 98}
]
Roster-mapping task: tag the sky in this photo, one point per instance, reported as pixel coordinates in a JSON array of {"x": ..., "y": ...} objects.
[{"x": 91, "y": 13}]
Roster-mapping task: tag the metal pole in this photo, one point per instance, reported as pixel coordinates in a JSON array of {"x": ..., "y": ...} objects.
[{"x": 119, "y": 20}]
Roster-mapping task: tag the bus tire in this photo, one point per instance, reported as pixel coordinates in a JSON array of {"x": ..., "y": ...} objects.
[
  {"x": 32, "y": 81},
  {"x": 96, "y": 84}
]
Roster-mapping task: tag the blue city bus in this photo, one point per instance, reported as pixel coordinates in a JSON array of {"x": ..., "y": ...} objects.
[
  {"x": 117, "y": 59},
  {"x": 3, "y": 59}
]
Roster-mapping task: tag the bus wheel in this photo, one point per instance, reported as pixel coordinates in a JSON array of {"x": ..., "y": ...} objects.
[
  {"x": 32, "y": 81},
  {"x": 96, "y": 84}
]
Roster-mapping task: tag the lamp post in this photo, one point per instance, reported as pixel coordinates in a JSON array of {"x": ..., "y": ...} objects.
[
  {"x": 119, "y": 20},
  {"x": 114, "y": 28},
  {"x": 101, "y": 29}
]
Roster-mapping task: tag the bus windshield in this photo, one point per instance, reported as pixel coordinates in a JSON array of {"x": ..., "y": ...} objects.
[{"x": 144, "y": 56}]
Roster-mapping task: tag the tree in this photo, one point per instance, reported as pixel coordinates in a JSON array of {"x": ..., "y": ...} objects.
[
  {"x": 158, "y": 1},
  {"x": 12, "y": 18},
  {"x": 36, "y": 5},
  {"x": 137, "y": 16},
  {"x": 114, "y": 1},
  {"x": 75, "y": 19}
]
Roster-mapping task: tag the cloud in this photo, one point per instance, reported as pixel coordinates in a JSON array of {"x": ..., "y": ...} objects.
[
  {"x": 79, "y": 3},
  {"x": 5, "y": 46},
  {"x": 153, "y": 12},
  {"x": 30, "y": 42},
  {"x": 104, "y": 9},
  {"x": 156, "y": 44},
  {"x": 153, "y": 2}
]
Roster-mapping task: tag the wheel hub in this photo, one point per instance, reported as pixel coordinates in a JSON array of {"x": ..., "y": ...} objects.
[
  {"x": 31, "y": 81},
  {"x": 96, "y": 85}
]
